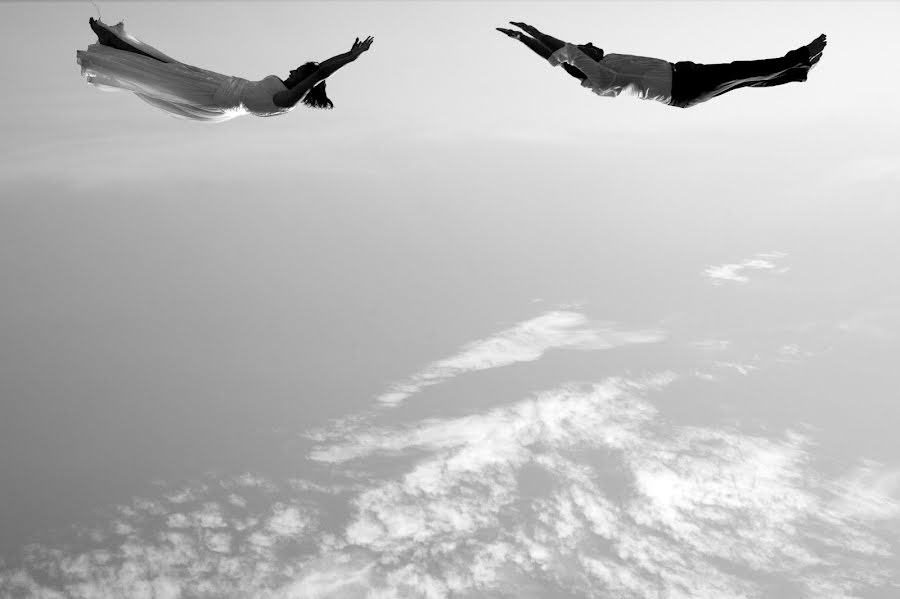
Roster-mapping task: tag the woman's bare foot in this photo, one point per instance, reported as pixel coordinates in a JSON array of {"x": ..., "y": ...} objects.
[
  {"x": 108, "y": 38},
  {"x": 103, "y": 35}
]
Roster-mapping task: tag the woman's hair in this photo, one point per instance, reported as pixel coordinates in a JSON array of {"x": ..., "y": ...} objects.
[{"x": 316, "y": 97}]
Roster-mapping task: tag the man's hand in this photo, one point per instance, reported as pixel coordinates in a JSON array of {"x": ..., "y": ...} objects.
[
  {"x": 511, "y": 33},
  {"x": 361, "y": 46}
]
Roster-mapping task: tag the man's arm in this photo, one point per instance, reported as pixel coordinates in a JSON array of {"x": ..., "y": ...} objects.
[
  {"x": 589, "y": 49},
  {"x": 573, "y": 71},
  {"x": 572, "y": 55}
]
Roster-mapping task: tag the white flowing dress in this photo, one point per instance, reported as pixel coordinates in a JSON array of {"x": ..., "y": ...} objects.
[{"x": 180, "y": 89}]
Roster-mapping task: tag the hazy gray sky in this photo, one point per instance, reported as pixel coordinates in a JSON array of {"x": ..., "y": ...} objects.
[{"x": 475, "y": 332}]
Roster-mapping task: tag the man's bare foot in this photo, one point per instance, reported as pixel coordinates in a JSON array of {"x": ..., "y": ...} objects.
[
  {"x": 815, "y": 60},
  {"x": 815, "y": 49}
]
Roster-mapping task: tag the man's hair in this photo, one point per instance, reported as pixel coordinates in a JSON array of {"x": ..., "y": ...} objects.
[
  {"x": 592, "y": 51},
  {"x": 316, "y": 97}
]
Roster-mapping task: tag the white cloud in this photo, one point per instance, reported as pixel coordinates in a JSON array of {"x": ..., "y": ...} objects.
[
  {"x": 705, "y": 376},
  {"x": 697, "y": 498},
  {"x": 525, "y": 342},
  {"x": 871, "y": 491},
  {"x": 248, "y": 480},
  {"x": 741, "y": 368},
  {"x": 582, "y": 490},
  {"x": 150, "y": 506},
  {"x": 308, "y": 486},
  {"x": 209, "y": 516},
  {"x": 220, "y": 542},
  {"x": 287, "y": 520},
  {"x": 331, "y": 576},
  {"x": 738, "y": 272},
  {"x": 184, "y": 495},
  {"x": 178, "y": 521}
]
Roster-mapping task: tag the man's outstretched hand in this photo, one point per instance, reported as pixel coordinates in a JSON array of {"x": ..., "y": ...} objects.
[{"x": 513, "y": 34}]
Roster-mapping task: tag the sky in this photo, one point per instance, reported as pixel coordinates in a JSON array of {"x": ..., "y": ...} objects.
[{"x": 476, "y": 332}]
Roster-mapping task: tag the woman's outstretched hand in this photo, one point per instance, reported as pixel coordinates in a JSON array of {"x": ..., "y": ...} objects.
[{"x": 361, "y": 46}]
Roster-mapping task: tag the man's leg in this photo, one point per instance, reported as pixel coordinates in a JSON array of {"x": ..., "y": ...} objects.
[
  {"x": 701, "y": 82},
  {"x": 795, "y": 75}
]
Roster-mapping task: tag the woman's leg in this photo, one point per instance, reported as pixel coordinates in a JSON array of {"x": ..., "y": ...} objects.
[{"x": 108, "y": 38}]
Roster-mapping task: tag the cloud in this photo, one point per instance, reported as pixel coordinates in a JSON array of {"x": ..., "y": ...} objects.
[
  {"x": 582, "y": 490},
  {"x": 219, "y": 542},
  {"x": 184, "y": 495},
  {"x": 696, "y": 498},
  {"x": 249, "y": 481},
  {"x": 287, "y": 521},
  {"x": 743, "y": 369},
  {"x": 525, "y": 342},
  {"x": 736, "y": 272}
]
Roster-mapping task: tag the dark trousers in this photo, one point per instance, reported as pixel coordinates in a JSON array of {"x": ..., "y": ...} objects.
[{"x": 695, "y": 83}]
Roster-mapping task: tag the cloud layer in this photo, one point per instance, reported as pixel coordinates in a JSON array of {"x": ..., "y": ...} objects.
[
  {"x": 525, "y": 342},
  {"x": 583, "y": 490}
]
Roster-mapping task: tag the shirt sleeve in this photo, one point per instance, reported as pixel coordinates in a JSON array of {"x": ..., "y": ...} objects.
[{"x": 597, "y": 74}]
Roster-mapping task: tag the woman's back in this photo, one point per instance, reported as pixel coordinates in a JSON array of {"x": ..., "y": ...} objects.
[{"x": 256, "y": 96}]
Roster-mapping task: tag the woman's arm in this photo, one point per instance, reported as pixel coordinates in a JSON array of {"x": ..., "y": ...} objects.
[{"x": 288, "y": 98}]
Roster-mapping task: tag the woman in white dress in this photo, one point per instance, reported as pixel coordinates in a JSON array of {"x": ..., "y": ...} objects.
[{"x": 120, "y": 61}]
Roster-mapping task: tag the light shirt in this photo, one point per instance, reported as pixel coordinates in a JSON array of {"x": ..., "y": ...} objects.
[{"x": 620, "y": 74}]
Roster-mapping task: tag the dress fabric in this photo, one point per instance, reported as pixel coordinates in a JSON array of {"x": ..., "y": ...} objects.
[{"x": 180, "y": 89}]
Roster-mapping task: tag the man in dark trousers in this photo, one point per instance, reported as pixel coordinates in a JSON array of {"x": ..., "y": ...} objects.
[{"x": 682, "y": 84}]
